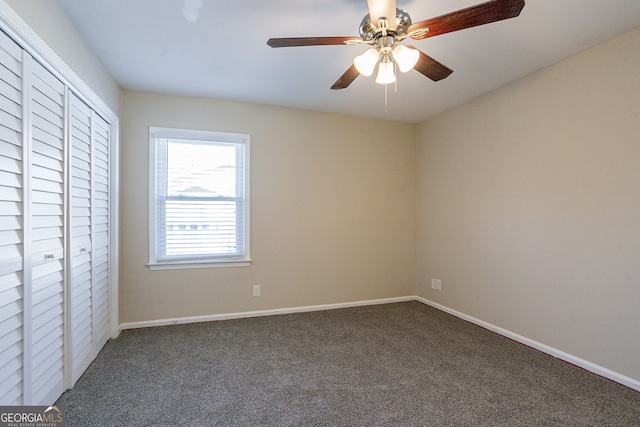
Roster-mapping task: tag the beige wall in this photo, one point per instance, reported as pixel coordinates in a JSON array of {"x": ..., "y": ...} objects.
[
  {"x": 529, "y": 206},
  {"x": 49, "y": 21},
  {"x": 332, "y": 210}
]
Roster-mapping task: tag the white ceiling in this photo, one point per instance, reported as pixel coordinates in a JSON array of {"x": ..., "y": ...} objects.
[{"x": 151, "y": 45}]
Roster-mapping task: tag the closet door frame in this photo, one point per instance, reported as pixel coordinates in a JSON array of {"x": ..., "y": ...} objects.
[{"x": 13, "y": 25}]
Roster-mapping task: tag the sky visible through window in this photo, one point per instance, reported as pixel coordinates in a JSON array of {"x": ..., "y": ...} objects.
[{"x": 202, "y": 169}]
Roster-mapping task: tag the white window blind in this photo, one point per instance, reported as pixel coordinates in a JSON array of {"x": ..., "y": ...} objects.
[{"x": 199, "y": 205}]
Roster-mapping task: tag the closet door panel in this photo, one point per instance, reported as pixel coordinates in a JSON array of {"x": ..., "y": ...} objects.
[
  {"x": 81, "y": 289},
  {"x": 11, "y": 224},
  {"x": 47, "y": 236},
  {"x": 101, "y": 215}
]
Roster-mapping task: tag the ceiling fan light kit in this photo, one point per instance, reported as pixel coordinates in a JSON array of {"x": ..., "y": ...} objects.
[
  {"x": 385, "y": 37},
  {"x": 385, "y": 54}
]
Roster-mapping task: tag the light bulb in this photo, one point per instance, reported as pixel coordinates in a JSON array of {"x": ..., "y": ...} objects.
[
  {"x": 366, "y": 63},
  {"x": 386, "y": 73},
  {"x": 406, "y": 57}
]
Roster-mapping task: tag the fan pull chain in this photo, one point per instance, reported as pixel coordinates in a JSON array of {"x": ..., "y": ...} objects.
[
  {"x": 395, "y": 88},
  {"x": 395, "y": 73},
  {"x": 385, "y": 98}
]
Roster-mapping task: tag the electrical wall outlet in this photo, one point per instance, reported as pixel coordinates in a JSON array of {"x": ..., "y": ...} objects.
[
  {"x": 436, "y": 284},
  {"x": 256, "y": 290}
]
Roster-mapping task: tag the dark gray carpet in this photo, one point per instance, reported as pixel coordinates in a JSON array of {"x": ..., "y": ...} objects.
[{"x": 401, "y": 364}]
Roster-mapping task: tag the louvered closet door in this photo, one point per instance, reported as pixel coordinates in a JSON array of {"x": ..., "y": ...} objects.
[
  {"x": 11, "y": 223},
  {"x": 100, "y": 221},
  {"x": 54, "y": 232},
  {"x": 89, "y": 290},
  {"x": 81, "y": 289},
  {"x": 47, "y": 124}
]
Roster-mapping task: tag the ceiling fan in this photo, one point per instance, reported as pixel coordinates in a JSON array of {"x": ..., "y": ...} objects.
[{"x": 385, "y": 34}]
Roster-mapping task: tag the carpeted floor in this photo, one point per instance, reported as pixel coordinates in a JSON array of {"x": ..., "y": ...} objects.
[{"x": 403, "y": 364}]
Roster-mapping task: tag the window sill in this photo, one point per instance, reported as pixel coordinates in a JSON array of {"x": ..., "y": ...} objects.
[{"x": 183, "y": 265}]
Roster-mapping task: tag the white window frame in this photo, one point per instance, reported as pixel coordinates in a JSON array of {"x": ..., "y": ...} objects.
[{"x": 244, "y": 259}]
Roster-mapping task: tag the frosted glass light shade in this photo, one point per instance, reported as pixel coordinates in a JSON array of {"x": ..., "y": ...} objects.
[
  {"x": 386, "y": 73},
  {"x": 406, "y": 57},
  {"x": 366, "y": 63}
]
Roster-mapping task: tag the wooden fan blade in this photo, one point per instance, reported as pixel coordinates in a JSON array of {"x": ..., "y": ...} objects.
[
  {"x": 431, "y": 68},
  {"x": 346, "y": 79},
  {"x": 485, "y": 13},
  {"x": 309, "y": 41},
  {"x": 382, "y": 9}
]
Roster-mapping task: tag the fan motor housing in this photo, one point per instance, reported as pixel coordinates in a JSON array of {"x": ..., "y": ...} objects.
[{"x": 370, "y": 32}]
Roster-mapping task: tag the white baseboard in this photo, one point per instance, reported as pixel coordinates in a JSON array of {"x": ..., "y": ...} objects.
[
  {"x": 558, "y": 354},
  {"x": 260, "y": 313}
]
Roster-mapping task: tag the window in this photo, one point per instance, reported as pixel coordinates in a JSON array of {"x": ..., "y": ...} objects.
[{"x": 199, "y": 199}]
